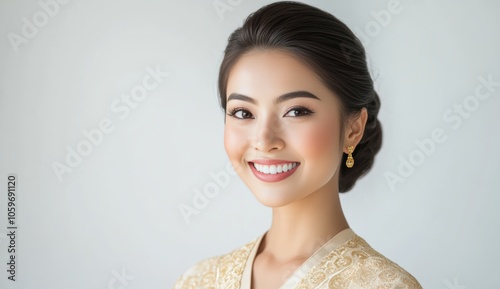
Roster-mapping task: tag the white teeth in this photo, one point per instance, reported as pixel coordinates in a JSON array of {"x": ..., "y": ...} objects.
[{"x": 274, "y": 169}]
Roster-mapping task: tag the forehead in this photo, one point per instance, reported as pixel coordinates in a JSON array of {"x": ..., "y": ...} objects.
[{"x": 271, "y": 72}]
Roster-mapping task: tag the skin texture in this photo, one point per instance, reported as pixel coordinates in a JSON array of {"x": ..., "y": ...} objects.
[{"x": 306, "y": 206}]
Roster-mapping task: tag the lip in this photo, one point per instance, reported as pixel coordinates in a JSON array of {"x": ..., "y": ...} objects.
[
  {"x": 270, "y": 178},
  {"x": 271, "y": 162}
]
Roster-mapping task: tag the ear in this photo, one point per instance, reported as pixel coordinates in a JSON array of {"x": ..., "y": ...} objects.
[{"x": 355, "y": 129}]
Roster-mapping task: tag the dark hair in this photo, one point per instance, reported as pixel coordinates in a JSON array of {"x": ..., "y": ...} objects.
[{"x": 331, "y": 49}]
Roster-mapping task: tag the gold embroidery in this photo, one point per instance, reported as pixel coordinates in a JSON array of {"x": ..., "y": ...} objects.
[
  {"x": 366, "y": 269},
  {"x": 217, "y": 272},
  {"x": 352, "y": 265}
]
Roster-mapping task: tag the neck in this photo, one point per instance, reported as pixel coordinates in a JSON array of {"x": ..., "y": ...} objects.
[{"x": 300, "y": 228}]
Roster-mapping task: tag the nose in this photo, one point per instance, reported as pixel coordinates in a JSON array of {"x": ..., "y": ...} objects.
[{"x": 268, "y": 135}]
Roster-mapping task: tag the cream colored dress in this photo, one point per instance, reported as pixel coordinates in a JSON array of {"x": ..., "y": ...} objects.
[{"x": 345, "y": 261}]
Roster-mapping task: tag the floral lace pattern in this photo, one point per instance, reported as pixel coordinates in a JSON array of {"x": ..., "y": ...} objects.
[
  {"x": 352, "y": 265},
  {"x": 217, "y": 272}
]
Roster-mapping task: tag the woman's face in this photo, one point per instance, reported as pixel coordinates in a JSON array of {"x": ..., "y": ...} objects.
[{"x": 282, "y": 131}]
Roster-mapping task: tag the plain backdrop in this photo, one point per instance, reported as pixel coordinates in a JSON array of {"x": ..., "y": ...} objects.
[{"x": 111, "y": 216}]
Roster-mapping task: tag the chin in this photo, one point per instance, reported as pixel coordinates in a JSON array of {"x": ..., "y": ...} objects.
[
  {"x": 273, "y": 203},
  {"x": 274, "y": 199}
]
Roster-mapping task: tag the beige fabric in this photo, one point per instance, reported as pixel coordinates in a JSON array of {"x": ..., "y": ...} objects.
[
  {"x": 345, "y": 261},
  {"x": 246, "y": 280}
]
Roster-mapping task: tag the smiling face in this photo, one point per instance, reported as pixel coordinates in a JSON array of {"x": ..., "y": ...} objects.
[{"x": 282, "y": 129}]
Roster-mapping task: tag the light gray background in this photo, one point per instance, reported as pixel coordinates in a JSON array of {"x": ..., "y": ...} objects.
[{"x": 117, "y": 213}]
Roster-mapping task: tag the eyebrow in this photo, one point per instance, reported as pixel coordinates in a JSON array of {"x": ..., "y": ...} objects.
[{"x": 279, "y": 99}]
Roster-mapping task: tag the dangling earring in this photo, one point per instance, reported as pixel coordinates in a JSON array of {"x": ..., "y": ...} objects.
[{"x": 350, "y": 161}]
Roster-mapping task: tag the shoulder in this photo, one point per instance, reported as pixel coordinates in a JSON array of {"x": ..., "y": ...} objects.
[
  {"x": 367, "y": 268},
  {"x": 200, "y": 275},
  {"x": 210, "y": 272}
]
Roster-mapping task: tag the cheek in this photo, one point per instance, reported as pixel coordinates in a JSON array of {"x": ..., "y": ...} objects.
[
  {"x": 234, "y": 142},
  {"x": 320, "y": 141}
]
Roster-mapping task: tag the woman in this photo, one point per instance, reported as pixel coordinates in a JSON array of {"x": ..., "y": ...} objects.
[{"x": 301, "y": 126}]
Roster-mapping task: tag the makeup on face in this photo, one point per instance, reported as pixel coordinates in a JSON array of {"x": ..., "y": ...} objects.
[{"x": 282, "y": 127}]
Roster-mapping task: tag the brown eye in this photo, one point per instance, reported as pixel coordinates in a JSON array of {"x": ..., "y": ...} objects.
[
  {"x": 298, "y": 112},
  {"x": 240, "y": 113}
]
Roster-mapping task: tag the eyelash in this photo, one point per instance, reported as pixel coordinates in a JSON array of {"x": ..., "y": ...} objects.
[
  {"x": 305, "y": 109},
  {"x": 233, "y": 111}
]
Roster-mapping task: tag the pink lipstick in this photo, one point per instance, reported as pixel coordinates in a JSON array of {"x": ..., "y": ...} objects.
[{"x": 268, "y": 170}]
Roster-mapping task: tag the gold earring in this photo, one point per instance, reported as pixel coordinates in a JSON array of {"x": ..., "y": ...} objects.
[{"x": 350, "y": 161}]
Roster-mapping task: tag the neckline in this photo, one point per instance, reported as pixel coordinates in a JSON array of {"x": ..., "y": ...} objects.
[{"x": 291, "y": 282}]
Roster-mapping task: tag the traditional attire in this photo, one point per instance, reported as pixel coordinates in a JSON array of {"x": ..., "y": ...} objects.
[{"x": 345, "y": 261}]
